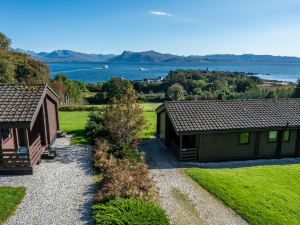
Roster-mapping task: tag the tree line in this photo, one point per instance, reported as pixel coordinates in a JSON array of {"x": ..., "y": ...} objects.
[
  {"x": 16, "y": 67},
  {"x": 193, "y": 85}
]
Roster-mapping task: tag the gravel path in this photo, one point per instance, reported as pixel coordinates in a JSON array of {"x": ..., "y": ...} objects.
[
  {"x": 184, "y": 200},
  {"x": 60, "y": 191}
]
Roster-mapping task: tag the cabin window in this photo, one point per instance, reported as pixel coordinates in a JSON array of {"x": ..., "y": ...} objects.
[
  {"x": 272, "y": 138},
  {"x": 189, "y": 141},
  {"x": 244, "y": 138},
  {"x": 286, "y": 136},
  {"x": 5, "y": 134}
]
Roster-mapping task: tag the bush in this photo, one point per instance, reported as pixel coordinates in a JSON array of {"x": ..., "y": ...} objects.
[
  {"x": 125, "y": 152},
  {"x": 129, "y": 211},
  {"x": 94, "y": 127},
  {"x": 71, "y": 108},
  {"x": 121, "y": 177}
]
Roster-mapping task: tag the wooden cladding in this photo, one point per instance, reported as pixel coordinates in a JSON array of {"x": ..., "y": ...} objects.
[
  {"x": 12, "y": 158},
  {"x": 188, "y": 155}
]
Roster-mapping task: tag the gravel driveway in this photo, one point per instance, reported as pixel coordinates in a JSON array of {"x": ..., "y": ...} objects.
[
  {"x": 60, "y": 191},
  {"x": 184, "y": 200}
]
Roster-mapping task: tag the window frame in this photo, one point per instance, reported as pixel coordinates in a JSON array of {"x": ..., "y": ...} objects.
[
  {"x": 248, "y": 142},
  {"x": 289, "y": 137},
  {"x": 276, "y": 140}
]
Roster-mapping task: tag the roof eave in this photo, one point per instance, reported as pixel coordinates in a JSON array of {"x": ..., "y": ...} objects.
[
  {"x": 236, "y": 130},
  {"x": 15, "y": 124}
]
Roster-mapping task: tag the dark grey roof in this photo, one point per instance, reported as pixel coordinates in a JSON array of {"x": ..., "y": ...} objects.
[
  {"x": 215, "y": 115},
  {"x": 18, "y": 103}
]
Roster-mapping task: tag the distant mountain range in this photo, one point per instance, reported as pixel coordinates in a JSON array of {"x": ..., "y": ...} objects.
[
  {"x": 153, "y": 57},
  {"x": 67, "y": 56}
]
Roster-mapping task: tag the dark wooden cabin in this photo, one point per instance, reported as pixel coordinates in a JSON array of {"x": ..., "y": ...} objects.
[
  {"x": 28, "y": 125},
  {"x": 214, "y": 130}
]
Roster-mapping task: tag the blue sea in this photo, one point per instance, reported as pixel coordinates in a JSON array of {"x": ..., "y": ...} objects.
[{"x": 95, "y": 72}]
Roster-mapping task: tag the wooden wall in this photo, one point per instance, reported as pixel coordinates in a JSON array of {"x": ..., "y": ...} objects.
[
  {"x": 52, "y": 118},
  {"x": 225, "y": 146}
]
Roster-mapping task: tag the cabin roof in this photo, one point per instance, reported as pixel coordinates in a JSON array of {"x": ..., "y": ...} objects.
[
  {"x": 21, "y": 102},
  {"x": 218, "y": 115}
]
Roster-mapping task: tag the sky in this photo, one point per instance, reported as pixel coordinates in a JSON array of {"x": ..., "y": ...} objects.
[{"x": 183, "y": 27}]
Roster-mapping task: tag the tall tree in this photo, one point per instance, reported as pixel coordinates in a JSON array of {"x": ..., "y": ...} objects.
[
  {"x": 116, "y": 87},
  {"x": 297, "y": 89},
  {"x": 5, "y": 42},
  {"x": 176, "y": 92},
  {"x": 124, "y": 119},
  {"x": 20, "y": 67}
]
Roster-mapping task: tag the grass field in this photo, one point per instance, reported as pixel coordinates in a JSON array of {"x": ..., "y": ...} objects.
[
  {"x": 262, "y": 194},
  {"x": 10, "y": 197},
  {"x": 151, "y": 119},
  {"x": 74, "y": 123}
]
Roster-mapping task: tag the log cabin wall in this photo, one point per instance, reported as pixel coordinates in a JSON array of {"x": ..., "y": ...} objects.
[
  {"x": 52, "y": 118},
  {"x": 37, "y": 129}
]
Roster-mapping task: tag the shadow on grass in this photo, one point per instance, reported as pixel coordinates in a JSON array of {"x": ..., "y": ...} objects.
[{"x": 79, "y": 137}]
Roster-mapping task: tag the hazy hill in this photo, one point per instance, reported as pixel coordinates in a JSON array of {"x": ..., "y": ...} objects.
[
  {"x": 67, "y": 56},
  {"x": 154, "y": 57},
  {"x": 147, "y": 57}
]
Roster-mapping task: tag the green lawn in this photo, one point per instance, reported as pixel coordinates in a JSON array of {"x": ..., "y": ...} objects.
[
  {"x": 151, "y": 119},
  {"x": 262, "y": 194},
  {"x": 150, "y": 106},
  {"x": 10, "y": 197},
  {"x": 74, "y": 123}
]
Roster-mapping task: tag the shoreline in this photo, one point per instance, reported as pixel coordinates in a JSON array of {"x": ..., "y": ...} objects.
[{"x": 94, "y": 72}]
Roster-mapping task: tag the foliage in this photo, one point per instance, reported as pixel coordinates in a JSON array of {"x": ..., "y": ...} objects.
[
  {"x": 74, "y": 123},
  {"x": 125, "y": 152},
  {"x": 121, "y": 177},
  {"x": 95, "y": 125},
  {"x": 19, "y": 67},
  {"x": 297, "y": 89},
  {"x": 71, "y": 108},
  {"x": 69, "y": 91},
  {"x": 5, "y": 42},
  {"x": 131, "y": 211},
  {"x": 154, "y": 97},
  {"x": 176, "y": 92},
  {"x": 115, "y": 88},
  {"x": 123, "y": 119},
  {"x": 261, "y": 194},
  {"x": 10, "y": 197}
]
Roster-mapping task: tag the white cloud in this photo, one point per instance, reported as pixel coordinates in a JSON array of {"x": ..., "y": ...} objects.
[{"x": 159, "y": 13}]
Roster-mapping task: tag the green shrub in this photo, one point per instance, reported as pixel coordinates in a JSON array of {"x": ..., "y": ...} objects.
[
  {"x": 70, "y": 108},
  {"x": 125, "y": 152},
  {"x": 94, "y": 127},
  {"x": 130, "y": 211}
]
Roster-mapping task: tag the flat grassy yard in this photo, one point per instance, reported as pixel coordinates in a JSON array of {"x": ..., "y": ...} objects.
[
  {"x": 151, "y": 119},
  {"x": 10, "y": 197},
  {"x": 74, "y": 123},
  {"x": 261, "y": 194}
]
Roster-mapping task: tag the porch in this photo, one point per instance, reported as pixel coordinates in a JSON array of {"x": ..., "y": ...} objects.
[
  {"x": 20, "y": 150},
  {"x": 184, "y": 147}
]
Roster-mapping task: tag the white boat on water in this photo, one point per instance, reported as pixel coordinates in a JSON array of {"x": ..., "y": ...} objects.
[
  {"x": 105, "y": 67},
  {"x": 142, "y": 69}
]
